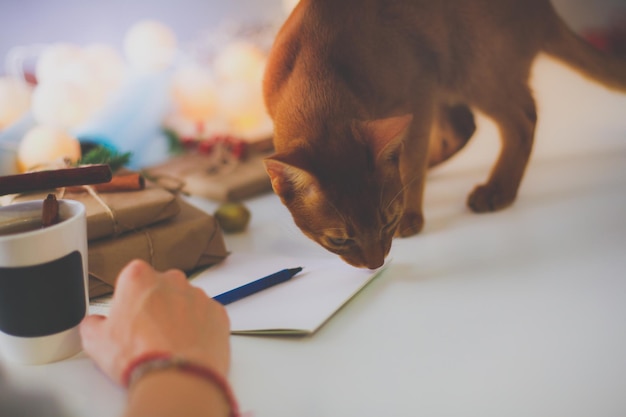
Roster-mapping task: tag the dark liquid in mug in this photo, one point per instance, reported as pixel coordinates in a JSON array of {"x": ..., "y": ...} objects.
[{"x": 26, "y": 225}]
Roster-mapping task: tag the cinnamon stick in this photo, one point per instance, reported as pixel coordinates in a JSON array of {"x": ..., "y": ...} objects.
[
  {"x": 126, "y": 182},
  {"x": 50, "y": 211},
  {"x": 45, "y": 180}
]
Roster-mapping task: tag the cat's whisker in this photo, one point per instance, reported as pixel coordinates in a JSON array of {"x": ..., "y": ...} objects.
[
  {"x": 382, "y": 193},
  {"x": 341, "y": 216},
  {"x": 326, "y": 229},
  {"x": 399, "y": 193}
]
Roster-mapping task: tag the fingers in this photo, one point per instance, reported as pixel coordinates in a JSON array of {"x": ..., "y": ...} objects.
[
  {"x": 90, "y": 326},
  {"x": 138, "y": 278},
  {"x": 139, "y": 274},
  {"x": 218, "y": 309},
  {"x": 136, "y": 273},
  {"x": 175, "y": 278},
  {"x": 92, "y": 334},
  {"x": 156, "y": 312}
]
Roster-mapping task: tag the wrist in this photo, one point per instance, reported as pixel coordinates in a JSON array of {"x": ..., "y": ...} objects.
[{"x": 160, "y": 370}]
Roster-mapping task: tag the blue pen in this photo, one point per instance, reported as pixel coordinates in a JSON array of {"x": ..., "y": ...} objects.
[{"x": 256, "y": 286}]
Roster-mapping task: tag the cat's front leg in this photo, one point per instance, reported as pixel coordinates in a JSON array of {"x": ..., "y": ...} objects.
[
  {"x": 413, "y": 167},
  {"x": 516, "y": 119},
  {"x": 411, "y": 223}
]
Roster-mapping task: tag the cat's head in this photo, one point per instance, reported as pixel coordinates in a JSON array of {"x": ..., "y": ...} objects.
[{"x": 345, "y": 192}]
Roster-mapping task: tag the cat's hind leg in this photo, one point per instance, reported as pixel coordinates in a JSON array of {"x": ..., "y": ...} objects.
[
  {"x": 516, "y": 120},
  {"x": 453, "y": 128}
]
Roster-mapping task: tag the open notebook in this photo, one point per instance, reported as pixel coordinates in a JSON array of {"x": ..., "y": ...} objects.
[{"x": 299, "y": 306}]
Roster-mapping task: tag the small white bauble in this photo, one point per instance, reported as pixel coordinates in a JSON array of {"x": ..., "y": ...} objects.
[
  {"x": 239, "y": 61},
  {"x": 53, "y": 62},
  {"x": 61, "y": 104},
  {"x": 15, "y": 96},
  {"x": 45, "y": 144},
  {"x": 149, "y": 46}
]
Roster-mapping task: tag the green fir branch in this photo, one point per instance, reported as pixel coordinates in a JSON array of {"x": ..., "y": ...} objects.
[{"x": 105, "y": 155}]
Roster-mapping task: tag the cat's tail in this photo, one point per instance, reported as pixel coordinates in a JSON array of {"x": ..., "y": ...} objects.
[{"x": 602, "y": 67}]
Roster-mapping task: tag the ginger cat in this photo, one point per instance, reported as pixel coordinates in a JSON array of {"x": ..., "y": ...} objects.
[{"x": 366, "y": 94}]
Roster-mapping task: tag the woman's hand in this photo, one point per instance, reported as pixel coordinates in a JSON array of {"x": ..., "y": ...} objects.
[{"x": 157, "y": 312}]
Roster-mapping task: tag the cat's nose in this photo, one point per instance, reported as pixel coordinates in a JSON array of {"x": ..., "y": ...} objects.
[
  {"x": 375, "y": 264},
  {"x": 374, "y": 259},
  {"x": 374, "y": 254},
  {"x": 364, "y": 262}
]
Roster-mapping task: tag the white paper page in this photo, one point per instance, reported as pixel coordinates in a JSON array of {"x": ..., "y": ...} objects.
[
  {"x": 100, "y": 305},
  {"x": 298, "y": 306}
]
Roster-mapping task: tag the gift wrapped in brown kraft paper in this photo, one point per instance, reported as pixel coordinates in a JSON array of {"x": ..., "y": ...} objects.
[
  {"x": 114, "y": 213},
  {"x": 200, "y": 176},
  {"x": 213, "y": 168},
  {"x": 188, "y": 241}
]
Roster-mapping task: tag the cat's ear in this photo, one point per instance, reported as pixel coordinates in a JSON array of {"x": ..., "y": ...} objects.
[
  {"x": 385, "y": 135},
  {"x": 287, "y": 179}
]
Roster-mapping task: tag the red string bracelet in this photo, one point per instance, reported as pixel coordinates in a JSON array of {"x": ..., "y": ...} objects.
[{"x": 150, "y": 362}]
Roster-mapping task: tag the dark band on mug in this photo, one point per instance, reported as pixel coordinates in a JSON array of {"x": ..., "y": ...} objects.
[{"x": 43, "y": 299}]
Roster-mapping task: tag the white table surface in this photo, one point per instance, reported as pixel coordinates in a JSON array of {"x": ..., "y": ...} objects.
[{"x": 516, "y": 313}]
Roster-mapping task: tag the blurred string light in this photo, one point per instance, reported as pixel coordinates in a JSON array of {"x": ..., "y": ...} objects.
[
  {"x": 213, "y": 86},
  {"x": 150, "y": 46},
  {"x": 70, "y": 85},
  {"x": 217, "y": 86},
  {"x": 225, "y": 96},
  {"x": 73, "y": 83}
]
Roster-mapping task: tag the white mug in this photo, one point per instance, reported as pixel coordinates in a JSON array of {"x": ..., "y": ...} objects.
[{"x": 43, "y": 282}]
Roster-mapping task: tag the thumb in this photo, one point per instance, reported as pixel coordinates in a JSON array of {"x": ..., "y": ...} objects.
[
  {"x": 94, "y": 333},
  {"x": 91, "y": 332}
]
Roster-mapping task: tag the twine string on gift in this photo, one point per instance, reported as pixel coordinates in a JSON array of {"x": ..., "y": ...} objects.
[
  {"x": 107, "y": 209},
  {"x": 146, "y": 233},
  {"x": 116, "y": 226},
  {"x": 168, "y": 182},
  {"x": 224, "y": 159}
]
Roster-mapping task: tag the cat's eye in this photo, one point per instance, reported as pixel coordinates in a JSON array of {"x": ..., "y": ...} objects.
[
  {"x": 338, "y": 241},
  {"x": 394, "y": 157}
]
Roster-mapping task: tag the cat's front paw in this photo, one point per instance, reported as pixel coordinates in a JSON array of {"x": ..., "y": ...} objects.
[
  {"x": 410, "y": 224},
  {"x": 489, "y": 197}
]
